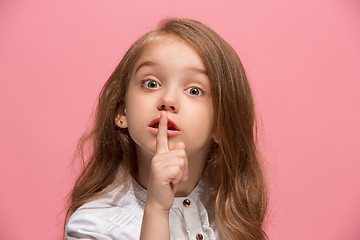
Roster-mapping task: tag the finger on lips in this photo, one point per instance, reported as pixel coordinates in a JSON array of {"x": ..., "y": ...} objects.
[
  {"x": 179, "y": 170},
  {"x": 161, "y": 137}
]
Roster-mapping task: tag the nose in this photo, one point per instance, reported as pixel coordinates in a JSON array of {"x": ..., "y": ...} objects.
[{"x": 168, "y": 102}]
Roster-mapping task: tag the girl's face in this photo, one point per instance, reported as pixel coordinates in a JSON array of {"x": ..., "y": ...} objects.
[{"x": 171, "y": 77}]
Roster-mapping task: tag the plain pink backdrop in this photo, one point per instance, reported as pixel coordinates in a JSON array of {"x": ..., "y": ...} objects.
[{"x": 302, "y": 59}]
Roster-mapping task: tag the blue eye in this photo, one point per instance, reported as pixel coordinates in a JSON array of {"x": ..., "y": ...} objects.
[
  {"x": 195, "y": 91},
  {"x": 150, "y": 84}
]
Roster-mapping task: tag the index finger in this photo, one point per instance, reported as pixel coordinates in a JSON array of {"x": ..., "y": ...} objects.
[{"x": 161, "y": 137}]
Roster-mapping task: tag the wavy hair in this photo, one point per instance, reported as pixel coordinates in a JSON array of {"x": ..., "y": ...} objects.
[{"x": 233, "y": 172}]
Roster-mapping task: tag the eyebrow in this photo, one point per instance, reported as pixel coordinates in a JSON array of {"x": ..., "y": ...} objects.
[{"x": 151, "y": 63}]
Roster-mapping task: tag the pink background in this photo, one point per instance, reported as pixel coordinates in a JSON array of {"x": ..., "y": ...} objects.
[{"x": 303, "y": 61}]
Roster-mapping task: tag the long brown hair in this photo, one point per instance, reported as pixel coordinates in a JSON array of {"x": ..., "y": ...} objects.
[{"x": 233, "y": 172}]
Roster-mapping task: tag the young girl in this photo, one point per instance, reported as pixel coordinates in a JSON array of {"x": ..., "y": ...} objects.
[{"x": 173, "y": 145}]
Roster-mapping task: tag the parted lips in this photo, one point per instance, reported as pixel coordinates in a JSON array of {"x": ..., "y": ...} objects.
[{"x": 171, "y": 124}]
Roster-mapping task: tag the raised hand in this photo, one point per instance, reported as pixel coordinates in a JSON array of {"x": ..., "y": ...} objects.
[{"x": 168, "y": 169}]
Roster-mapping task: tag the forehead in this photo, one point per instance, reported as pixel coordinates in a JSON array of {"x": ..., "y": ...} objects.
[{"x": 170, "y": 50}]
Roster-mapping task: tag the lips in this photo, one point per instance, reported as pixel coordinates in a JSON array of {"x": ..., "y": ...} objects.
[{"x": 171, "y": 125}]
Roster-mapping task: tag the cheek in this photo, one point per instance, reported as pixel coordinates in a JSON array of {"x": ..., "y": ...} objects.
[
  {"x": 134, "y": 119},
  {"x": 138, "y": 115},
  {"x": 201, "y": 122},
  {"x": 206, "y": 114},
  {"x": 135, "y": 106},
  {"x": 208, "y": 125}
]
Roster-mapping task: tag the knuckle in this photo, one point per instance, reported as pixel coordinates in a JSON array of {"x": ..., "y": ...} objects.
[
  {"x": 181, "y": 163},
  {"x": 182, "y": 153},
  {"x": 155, "y": 160},
  {"x": 178, "y": 170}
]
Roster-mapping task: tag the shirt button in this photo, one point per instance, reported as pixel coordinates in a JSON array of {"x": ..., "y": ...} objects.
[
  {"x": 199, "y": 237},
  {"x": 186, "y": 202}
]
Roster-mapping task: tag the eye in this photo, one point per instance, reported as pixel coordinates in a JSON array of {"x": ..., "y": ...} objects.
[
  {"x": 148, "y": 83},
  {"x": 195, "y": 91}
]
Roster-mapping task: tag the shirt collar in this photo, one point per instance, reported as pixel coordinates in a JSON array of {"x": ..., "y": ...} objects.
[{"x": 141, "y": 192}]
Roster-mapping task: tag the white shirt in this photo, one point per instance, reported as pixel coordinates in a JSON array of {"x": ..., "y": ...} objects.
[{"x": 118, "y": 215}]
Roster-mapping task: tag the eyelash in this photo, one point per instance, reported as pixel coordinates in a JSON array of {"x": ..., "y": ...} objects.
[{"x": 148, "y": 80}]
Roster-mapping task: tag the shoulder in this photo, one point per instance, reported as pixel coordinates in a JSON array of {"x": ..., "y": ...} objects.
[{"x": 111, "y": 215}]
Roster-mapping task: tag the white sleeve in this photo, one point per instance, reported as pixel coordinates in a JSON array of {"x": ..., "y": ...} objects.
[{"x": 86, "y": 227}]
